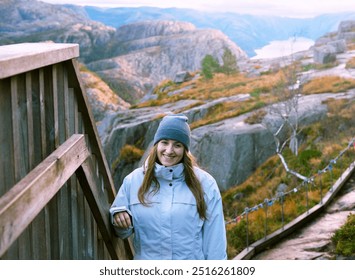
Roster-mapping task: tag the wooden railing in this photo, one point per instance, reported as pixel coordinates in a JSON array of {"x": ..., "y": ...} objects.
[{"x": 55, "y": 184}]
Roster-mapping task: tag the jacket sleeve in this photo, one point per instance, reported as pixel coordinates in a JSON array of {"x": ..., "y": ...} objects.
[
  {"x": 214, "y": 231},
  {"x": 121, "y": 204}
]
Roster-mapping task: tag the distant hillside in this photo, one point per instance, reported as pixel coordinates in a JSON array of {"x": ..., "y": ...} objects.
[
  {"x": 34, "y": 21},
  {"x": 247, "y": 31},
  {"x": 131, "y": 55},
  {"x": 132, "y": 59}
]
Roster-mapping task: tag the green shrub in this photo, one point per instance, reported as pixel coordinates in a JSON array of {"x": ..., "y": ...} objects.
[
  {"x": 210, "y": 66},
  {"x": 306, "y": 155},
  {"x": 344, "y": 238}
]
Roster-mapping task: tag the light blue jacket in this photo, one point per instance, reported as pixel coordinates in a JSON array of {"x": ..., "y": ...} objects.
[{"x": 170, "y": 228}]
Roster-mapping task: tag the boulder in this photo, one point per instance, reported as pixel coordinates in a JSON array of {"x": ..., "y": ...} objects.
[
  {"x": 324, "y": 54},
  {"x": 182, "y": 76}
]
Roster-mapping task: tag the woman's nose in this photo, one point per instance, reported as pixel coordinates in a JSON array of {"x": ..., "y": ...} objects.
[{"x": 170, "y": 149}]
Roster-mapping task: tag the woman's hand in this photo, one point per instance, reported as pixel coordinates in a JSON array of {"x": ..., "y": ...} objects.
[{"x": 122, "y": 219}]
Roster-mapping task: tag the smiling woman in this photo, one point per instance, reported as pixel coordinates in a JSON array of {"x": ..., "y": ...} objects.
[{"x": 173, "y": 207}]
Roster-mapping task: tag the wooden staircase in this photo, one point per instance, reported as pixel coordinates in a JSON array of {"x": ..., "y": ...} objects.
[{"x": 55, "y": 184}]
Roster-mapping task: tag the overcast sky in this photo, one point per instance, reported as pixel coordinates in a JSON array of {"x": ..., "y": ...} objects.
[{"x": 295, "y": 8}]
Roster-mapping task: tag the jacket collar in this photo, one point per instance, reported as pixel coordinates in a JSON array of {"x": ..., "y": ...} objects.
[{"x": 169, "y": 172}]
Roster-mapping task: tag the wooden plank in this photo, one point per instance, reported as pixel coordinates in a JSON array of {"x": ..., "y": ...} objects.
[
  {"x": 99, "y": 207},
  {"x": 72, "y": 183},
  {"x": 24, "y": 240},
  {"x": 35, "y": 190},
  {"x": 43, "y": 113},
  {"x": 50, "y": 139},
  {"x": 30, "y": 137},
  {"x": 55, "y": 105},
  {"x": 15, "y": 129},
  {"x": 31, "y": 161},
  {"x": 48, "y": 104},
  {"x": 81, "y": 221},
  {"x": 41, "y": 238},
  {"x": 20, "y": 58},
  {"x": 66, "y": 103},
  {"x": 7, "y": 175},
  {"x": 63, "y": 205},
  {"x": 6, "y": 158}
]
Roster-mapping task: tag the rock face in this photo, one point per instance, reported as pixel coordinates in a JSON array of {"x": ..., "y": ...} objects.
[
  {"x": 231, "y": 150},
  {"x": 346, "y": 30},
  {"x": 153, "y": 51},
  {"x": 327, "y": 47}
]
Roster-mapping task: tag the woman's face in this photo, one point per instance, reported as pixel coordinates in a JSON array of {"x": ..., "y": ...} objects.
[{"x": 170, "y": 152}]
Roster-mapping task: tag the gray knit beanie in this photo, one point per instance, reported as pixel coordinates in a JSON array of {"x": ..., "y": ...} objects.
[{"x": 174, "y": 127}]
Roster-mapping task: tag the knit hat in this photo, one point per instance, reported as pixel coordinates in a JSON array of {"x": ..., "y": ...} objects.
[{"x": 174, "y": 127}]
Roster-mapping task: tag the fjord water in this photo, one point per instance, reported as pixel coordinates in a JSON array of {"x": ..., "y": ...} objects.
[{"x": 283, "y": 48}]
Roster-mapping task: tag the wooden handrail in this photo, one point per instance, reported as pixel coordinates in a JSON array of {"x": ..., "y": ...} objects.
[
  {"x": 32, "y": 56},
  {"x": 21, "y": 204}
]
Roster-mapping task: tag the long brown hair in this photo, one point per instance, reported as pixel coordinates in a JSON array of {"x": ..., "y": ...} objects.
[{"x": 190, "y": 178}]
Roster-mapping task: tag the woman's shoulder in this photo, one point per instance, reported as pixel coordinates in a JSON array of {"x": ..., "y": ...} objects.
[
  {"x": 208, "y": 182},
  {"x": 203, "y": 174},
  {"x": 136, "y": 174}
]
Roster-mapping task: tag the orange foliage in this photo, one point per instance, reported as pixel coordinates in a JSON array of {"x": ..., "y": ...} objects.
[{"x": 332, "y": 84}]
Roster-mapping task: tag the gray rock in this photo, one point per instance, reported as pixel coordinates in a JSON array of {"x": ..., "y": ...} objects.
[
  {"x": 182, "y": 76},
  {"x": 324, "y": 54}
]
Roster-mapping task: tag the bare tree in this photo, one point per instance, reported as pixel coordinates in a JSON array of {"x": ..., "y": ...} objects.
[{"x": 284, "y": 123}]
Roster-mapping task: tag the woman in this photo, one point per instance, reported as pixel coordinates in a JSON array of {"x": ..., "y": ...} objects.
[{"x": 173, "y": 207}]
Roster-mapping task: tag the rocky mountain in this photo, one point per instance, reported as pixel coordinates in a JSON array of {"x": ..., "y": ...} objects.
[
  {"x": 153, "y": 51},
  {"x": 132, "y": 59},
  {"x": 33, "y": 21},
  {"x": 250, "y": 32}
]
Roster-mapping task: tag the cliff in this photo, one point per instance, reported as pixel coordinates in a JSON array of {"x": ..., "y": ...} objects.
[{"x": 150, "y": 52}]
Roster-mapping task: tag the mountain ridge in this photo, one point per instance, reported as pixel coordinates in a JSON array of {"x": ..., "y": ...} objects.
[
  {"x": 247, "y": 31},
  {"x": 132, "y": 66}
]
